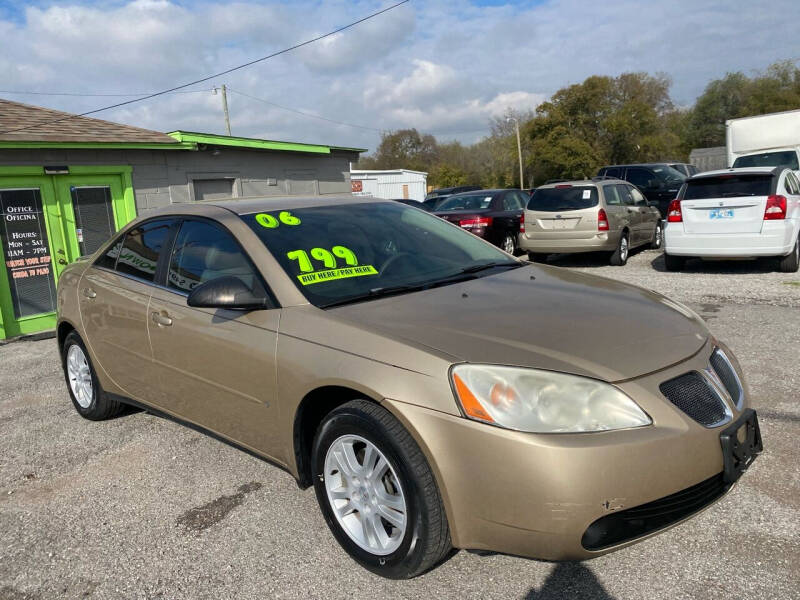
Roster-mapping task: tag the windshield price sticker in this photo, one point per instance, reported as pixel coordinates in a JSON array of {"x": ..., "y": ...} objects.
[
  {"x": 270, "y": 222},
  {"x": 587, "y": 194},
  {"x": 328, "y": 275},
  {"x": 326, "y": 257}
]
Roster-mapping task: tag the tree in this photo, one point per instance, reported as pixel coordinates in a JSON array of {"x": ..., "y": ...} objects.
[{"x": 403, "y": 149}]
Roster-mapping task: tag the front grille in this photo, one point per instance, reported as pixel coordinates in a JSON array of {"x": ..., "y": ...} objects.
[
  {"x": 724, "y": 370},
  {"x": 693, "y": 395},
  {"x": 635, "y": 522}
]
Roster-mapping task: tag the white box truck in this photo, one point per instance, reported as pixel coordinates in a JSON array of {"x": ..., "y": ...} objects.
[{"x": 764, "y": 141}]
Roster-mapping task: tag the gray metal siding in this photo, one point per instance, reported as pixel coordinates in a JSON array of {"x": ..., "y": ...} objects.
[{"x": 163, "y": 177}]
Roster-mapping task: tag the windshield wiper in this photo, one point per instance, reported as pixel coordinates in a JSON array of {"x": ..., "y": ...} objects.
[
  {"x": 465, "y": 274},
  {"x": 491, "y": 265}
]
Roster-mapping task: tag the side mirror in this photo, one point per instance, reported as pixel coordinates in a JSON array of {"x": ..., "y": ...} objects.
[{"x": 225, "y": 292}]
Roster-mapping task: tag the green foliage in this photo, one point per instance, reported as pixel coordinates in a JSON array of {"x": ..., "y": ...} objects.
[
  {"x": 736, "y": 95},
  {"x": 603, "y": 120}
]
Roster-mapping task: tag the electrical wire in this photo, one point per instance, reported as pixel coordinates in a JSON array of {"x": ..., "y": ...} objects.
[
  {"x": 203, "y": 79},
  {"x": 300, "y": 112}
]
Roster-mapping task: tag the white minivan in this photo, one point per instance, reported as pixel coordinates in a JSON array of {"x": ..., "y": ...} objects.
[{"x": 735, "y": 213}]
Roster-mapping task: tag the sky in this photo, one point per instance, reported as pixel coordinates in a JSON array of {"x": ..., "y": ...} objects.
[{"x": 443, "y": 66}]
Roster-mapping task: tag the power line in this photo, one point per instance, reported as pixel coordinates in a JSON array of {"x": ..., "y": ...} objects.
[
  {"x": 225, "y": 72},
  {"x": 321, "y": 118},
  {"x": 300, "y": 112},
  {"x": 98, "y": 95}
]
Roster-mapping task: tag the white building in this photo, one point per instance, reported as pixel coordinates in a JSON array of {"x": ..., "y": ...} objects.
[{"x": 392, "y": 184}]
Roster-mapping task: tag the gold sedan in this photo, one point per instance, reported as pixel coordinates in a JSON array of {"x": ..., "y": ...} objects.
[{"x": 437, "y": 392}]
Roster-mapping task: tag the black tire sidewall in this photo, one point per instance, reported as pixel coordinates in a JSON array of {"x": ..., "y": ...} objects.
[
  {"x": 408, "y": 555},
  {"x": 73, "y": 339}
]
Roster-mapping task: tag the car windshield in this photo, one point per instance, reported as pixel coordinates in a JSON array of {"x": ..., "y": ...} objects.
[
  {"x": 728, "y": 186},
  {"x": 466, "y": 202},
  {"x": 562, "y": 198},
  {"x": 342, "y": 253},
  {"x": 787, "y": 158}
]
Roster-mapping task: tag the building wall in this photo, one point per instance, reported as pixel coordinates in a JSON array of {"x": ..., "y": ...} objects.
[
  {"x": 163, "y": 177},
  {"x": 709, "y": 159},
  {"x": 389, "y": 185}
]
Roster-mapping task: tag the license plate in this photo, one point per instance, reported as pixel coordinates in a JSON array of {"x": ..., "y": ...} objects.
[
  {"x": 721, "y": 213},
  {"x": 741, "y": 443}
]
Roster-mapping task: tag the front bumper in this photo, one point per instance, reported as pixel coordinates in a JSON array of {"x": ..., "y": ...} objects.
[
  {"x": 777, "y": 238},
  {"x": 536, "y": 495},
  {"x": 550, "y": 244}
]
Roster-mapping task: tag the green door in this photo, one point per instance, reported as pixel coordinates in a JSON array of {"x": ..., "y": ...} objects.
[
  {"x": 33, "y": 251},
  {"x": 93, "y": 209},
  {"x": 47, "y": 222}
]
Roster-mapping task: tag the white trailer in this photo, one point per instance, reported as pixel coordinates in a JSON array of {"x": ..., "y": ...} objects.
[
  {"x": 391, "y": 184},
  {"x": 764, "y": 141}
]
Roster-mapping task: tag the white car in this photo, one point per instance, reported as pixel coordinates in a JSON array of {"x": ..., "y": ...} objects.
[{"x": 736, "y": 213}]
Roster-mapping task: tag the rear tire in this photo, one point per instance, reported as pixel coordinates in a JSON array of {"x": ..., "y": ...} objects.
[
  {"x": 674, "y": 263},
  {"x": 508, "y": 244},
  {"x": 658, "y": 237},
  {"x": 620, "y": 256},
  {"x": 791, "y": 262},
  {"x": 537, "y": 257},
  {"x": 355, "y": 503},
  {"x": 84, "y": 389}
]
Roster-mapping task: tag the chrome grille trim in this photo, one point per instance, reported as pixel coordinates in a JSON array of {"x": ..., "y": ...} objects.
[{"x": 728, "y": 380}]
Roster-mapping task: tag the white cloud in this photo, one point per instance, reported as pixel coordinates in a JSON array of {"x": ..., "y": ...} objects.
[{"x": 444, "y": 66}]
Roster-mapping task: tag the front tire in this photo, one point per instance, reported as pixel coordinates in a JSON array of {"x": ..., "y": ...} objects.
[
  {"x": 84, "y": 389},
  {"x": 791, "y": 262},
  {"x": 377, "y": 492}
]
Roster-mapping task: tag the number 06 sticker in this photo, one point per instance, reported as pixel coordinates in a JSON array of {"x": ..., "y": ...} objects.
[{"x": 270, "y": 222}]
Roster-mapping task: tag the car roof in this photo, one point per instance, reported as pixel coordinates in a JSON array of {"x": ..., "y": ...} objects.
[
  {"x": 478, "y": 192},
  {"x": 243, "y": 206},
  {"x": 579, "y": 182},
  {"x": 650, "y": 164},
  {"x": 742, "y": 170}
]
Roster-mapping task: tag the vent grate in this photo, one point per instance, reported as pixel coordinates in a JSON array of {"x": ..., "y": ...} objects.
[
  {"x": 724, "y": 370},
  {"x": 694, "y": 396}
]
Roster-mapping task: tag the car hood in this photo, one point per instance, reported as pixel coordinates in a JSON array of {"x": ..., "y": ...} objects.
[{"x": 541, "y": 317}]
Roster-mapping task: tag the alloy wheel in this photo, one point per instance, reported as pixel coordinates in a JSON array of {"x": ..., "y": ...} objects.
[
  {"x": 365, "y": 495},
  {"x": 80, "y": 376},
  {"x": 508, "y": 244},
  {"x": 623, "y": 248}
]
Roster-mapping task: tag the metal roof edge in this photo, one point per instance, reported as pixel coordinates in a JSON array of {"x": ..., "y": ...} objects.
[{"x": 255, "y": 143}]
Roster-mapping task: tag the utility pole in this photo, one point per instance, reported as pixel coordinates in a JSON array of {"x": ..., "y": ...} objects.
[
  {"x": 519, "y": 150},
  {"x": 225, "y": 107}
]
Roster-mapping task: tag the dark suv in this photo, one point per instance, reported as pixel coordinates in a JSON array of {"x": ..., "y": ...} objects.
[{"x": 659, "y": 182}]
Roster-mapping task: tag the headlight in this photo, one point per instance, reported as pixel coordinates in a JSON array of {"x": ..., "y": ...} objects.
[{"x": 542, "y": 401}]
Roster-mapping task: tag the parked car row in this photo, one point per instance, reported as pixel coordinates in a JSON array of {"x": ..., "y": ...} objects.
[{"x": 734, "y": 213}]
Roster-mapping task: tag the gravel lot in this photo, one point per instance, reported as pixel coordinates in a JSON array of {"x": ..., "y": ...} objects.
[{"x": 140, "y": 507}]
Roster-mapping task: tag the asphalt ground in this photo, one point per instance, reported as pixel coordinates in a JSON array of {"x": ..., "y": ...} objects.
[{"x": 141, "y": 507}]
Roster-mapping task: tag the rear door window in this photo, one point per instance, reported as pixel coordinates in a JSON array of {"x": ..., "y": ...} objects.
[
  {"x": 611, "y": 193},
  {"x": 637, "y": 196},
  {"x": 639, "y": 177},
  {"x": 728, "y": 186},
  {"x": 142, "y": 248},
  {"x": 204, "y": 252},
  {"x": 612, "y": 172},
  {"x": 562, "y": 198}
]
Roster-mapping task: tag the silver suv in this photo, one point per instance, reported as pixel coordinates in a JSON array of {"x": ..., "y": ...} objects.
[{"x": 599, "y": 215}]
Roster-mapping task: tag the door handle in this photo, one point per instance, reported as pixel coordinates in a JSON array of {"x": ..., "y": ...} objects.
[
  {"x": 162, "y": 320},
  {"x": 89, "y": 293}
]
